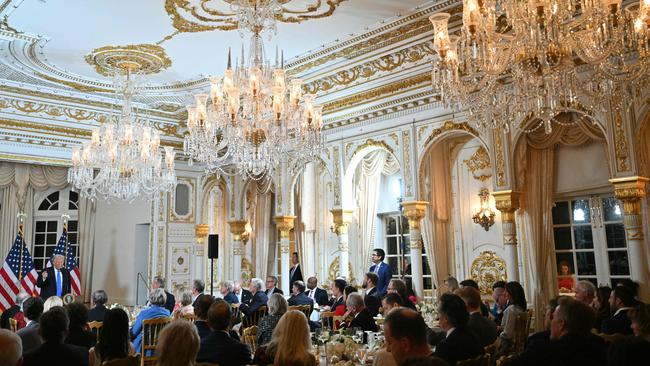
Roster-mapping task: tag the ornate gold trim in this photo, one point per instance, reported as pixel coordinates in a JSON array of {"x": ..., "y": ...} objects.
[
  {"x": 415, "y": 211},
  {"x": 479, "y": 161},
  {"x": 369, "y": 143},
  {"x": 334, "y": 271},
  {"x": 620, "y": 143},
  {"x": 341, "y": 219},
  {"x": 486, "y": 269},
  {"x": 507, "y": 202},
  {"x": 449, "y": 126},
  {"x": 406, "y": 172},
  {"x": 237, "y": 227},
  {"x": 630, "y": 191},
  {"x": 284, "y": 224},
  {"x": 136, "y": 58},
  {"x": 201, "y": 231}
]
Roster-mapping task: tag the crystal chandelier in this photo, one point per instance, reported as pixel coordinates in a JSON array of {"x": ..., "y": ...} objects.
[
  {"x": 123, "y": 158},
  {"x": 532, "y": 60},
  {"x": 254, "y": 117}
]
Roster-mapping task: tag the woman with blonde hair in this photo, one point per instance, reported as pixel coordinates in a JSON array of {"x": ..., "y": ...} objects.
[
  {"x": 51, "y": 302},
  {"x": 290, "y": 344},
  {"x": 178, "y": 344}
]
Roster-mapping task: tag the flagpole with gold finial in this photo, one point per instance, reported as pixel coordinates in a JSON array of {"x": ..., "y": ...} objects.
[
  {"x": 21, "y": 218},
  {"x": 65, "y": 229}
]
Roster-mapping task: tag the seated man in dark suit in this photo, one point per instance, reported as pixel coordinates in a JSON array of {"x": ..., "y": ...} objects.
[
  {"x": 316, "y": 293},
  {"x": 361, "y": 317},
  {"x": 471, "y": 283},
  {"x": 620, "y": 301},
  {"x": 201, "y": 312},
  {"x": 259, "y": 298},
  {"x": 226, "y": 288},
  {"x": 243, "y": 295},
  {"x": 272, "y": 286},
  {"x": 372, "y": 298},
  {"x": 53, "y": 329},
  {"x": 460, "y": 344},
  {"x": 198, "y": 286},
  {"x": 218, "y": 347},
  {"x": 483, "y": 328},
  {"x": 298, "y": 296},
  {"x": 78, "y": 334},
  {"x": 96, "y": 314},
  {"x": 33, "y": 309},
  {"x": 170, "y": 302}
]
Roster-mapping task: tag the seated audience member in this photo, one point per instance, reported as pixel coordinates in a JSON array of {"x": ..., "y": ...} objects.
[
  {"x": 259, "y": 298},
  {"x": 361, "y": 317},
  {"x": 601, "y": 305},
  {"x": 290, "y": 344},
  {"x": 396, "y": 286},
  {"x": 243, "y": 295},
  {"x": 14, "y": 312},
  {"x": 338, "y": 291},
  {"x": 156, "y": 309},
  {"x": 500, "y": 301},
  {"x": 621, "y": 301},
  {"x": 449, "y": 285},
  {"x": 198, "y": 286},
  {"x": 218, "y": 347},
  {"x": 97, "y": 312},
  {"x": 316, "y": 293},
  {"x": 372, "y": 298},
  {"x": 342, "y": 309},
  {"x": 11, "y": 348},
  {"x": 53, "y": 328},
  {"x": 298, "y": 296},
  {"x": 390, "y": 302},
  {"x": 201, "y": 312},
  {"x": 632, "y": 286},
  {"x": 51, "y": 302},
  {"x": 227, "y": 290},
  {"x": 170, "y": 300},
  {"x": 272, "y": 286},
  {"x": 114, "y": 342},
  {"x": 406, "y": 336},
  {"x": 537, "y": 344},
  {"x": 78, "y": 333},
  {"x": 516, "y": 305},
  {"x": 178, "y": 344},
  {"x": 483, "y": 328},
  {"x": 277, "y": 307},
  {"x": 460, "y": 344},
  {"x": 471, "y": 283},
  {"x": 634, "y": 350},
  {"x": 185, "y": 305},
  {"x": 33, "y": 309},
  {"x": 585, "y": 292}
]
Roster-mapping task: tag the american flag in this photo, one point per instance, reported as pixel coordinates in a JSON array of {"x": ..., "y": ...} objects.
[
  {"x": 13, "y": 269},
  {"x": 65, "y": 249}
]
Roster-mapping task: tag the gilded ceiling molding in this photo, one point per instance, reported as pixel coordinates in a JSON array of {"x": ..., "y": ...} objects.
[
  {"x": 144, "y": 59},
  {"x": 26, "y": 159},
  {"x": 408, "y": 169},
  {"x": 450, "y": 126},
  {"x": 479, "y": 162},
  {"x": 369, "y": 143}
]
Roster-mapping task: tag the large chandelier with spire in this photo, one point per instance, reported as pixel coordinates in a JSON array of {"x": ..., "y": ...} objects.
[
  {"x": 254, "y": 116},
  {"x": 123, "y": 159},
  {"x": 519, "y": 60}
]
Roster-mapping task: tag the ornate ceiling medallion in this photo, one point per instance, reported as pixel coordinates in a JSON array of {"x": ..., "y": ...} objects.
[{"x": 143, "y": 59}]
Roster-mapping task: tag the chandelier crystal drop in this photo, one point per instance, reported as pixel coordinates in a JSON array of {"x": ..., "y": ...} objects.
[
  {"x": 254, "y": 117},
  {"x": 519, "y": 60},
  {"x": 123, "y": 159}
]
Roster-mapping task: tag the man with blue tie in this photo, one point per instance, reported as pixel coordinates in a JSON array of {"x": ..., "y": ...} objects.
[
  {"x": 55, "y": 280},
  {"x": 381, "y": 269}
]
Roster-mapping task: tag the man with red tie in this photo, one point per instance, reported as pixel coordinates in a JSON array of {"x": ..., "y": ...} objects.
[{"x": 55, "y": 280}]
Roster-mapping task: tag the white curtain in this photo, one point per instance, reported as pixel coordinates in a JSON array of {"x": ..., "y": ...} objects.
[
  {"x": 86, "y": 224},
  {"x": 262, "y": 236}
]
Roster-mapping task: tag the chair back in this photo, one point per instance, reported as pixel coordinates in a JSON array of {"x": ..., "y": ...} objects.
[
  {"x": 482, "y": 360},
  {"x": 96, "y": 328},
  {"x": 609, "y": 338},
  {"x": 530, "y": 321},
  {"x": 491, "y": 351},
  {"x": 522, "y": 324},
  {"x": 127, "y": 361},
  {"x": 236, "y": 314},
  {"x": 329, "y": 320},
  {"x": 305, "y": 309},
  {"x": 13, "y": 325},
  {"x": 250, "y": 338},
  {"x": 150, "y": 331},
  {"x": 254, "y": 318},
  {"x": 189, "y": 317}
]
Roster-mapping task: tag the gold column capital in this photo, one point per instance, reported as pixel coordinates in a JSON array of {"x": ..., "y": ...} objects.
[
  {"x": 284, "y": 224},
  {"x": 201, "y": 231},
  {"x": 507, "y": 202},
  {"x": 415, "y": 211},
  {"x": 237, "y": 227},
  {"x": 341, "y": 218},
  {"x": 630, "y": 191}
]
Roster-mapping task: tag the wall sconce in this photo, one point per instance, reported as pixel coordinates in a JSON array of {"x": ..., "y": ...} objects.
[
  {"x": 246, "y": 235},
  {"x": 484, "y": 216}
]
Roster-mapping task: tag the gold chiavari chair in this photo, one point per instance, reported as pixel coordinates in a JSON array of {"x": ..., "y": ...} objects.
[
  {"x": 250, "y": 338},
  {"x": 305, "y": 309},
  {"x": 150, "y": 331},
  {"x": 482, "y": 360},
  {"x": 189, "y": 317},
  {"x": 329, "y": 320},
  {"x": 127, "y": 361},
  {"x": 254, "y": 317},
  {"x": 522, "y": 326},
  {"x": 96, "y": 328},
  {"x": 236, "y": 314},
  {"x": 13, "y": 325}
]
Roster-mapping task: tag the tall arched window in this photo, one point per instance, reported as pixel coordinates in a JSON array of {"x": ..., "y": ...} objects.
[{"x": 48, "y": 223}]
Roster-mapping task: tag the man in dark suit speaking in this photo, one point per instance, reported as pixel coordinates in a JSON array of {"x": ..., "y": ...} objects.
[{"x": 55, "y": 280}]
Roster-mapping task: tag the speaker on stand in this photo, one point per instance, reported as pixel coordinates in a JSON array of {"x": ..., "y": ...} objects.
[{"x": 213, "y": 252}]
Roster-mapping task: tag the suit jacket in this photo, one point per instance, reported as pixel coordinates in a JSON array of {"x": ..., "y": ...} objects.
[
  {"x": 372, "y": 302},
  {"x": 274, "y": 291},
  {"x": 6, "y": 315},
  {"x": 334, "y": 303},
  {"x": 295, "y": 275},
  {"x": 537, "y": 346},
  {"x": 246, "y": 296},
  {"x": 483, "y": 329},
  {"x": 320, "y": 297},
  {"x": 170, "y": 302},
  {"x": 153, "y": 311},
  {"x": 203, "y": 328},
  {"x": 231, "y": 298},
  {"x": 619, "y": 323},
  {"x": 300, "y": 299},
  {"x": 459, "y": 345},
  {"x": 364, "y": 321},
  {"x": 258, "y": 300},
  {"x": 385, "y": 273},
  {"x": 628, "y": 351},
  {"x": 97, "y": 313},
  {"x": 30, "y": 337},
  {"x": 576, "y": 349},
  {"x": 81, "y": 338},
  {"x": 218, "y": 347},
  {"x": 197, "y": 299},
  {"x": 57, "y": 354},
  {"x": 48, "y": 285}
]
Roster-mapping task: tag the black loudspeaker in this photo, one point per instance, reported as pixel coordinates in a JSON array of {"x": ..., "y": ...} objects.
[{"x": 213, "y": 246}]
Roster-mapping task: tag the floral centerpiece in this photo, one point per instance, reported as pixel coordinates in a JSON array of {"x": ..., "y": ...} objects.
[
  {"x": 341, "y": 349},
  {"x": 429, "y": 311}
]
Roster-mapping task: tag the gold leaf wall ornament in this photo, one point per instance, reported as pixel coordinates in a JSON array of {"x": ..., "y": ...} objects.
[
  {"x": 486, "y": 269},
  {"x": 375, "y": 143},
  {"x": 499, "y": 159},
  {"x": 408, "y": 178},
  {"x": 334, "y": 271},
  {"x": 620, "y": 143},
  {"x": 450, "y": 126},
  {"x": 246, "y": 271},
  {"x": 479, "y": 164},
  {"x": 144, "y": 59},
  {"x": 337, "y": 177}
]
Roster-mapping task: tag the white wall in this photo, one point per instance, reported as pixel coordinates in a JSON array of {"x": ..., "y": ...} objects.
[{"x": 115, "y": 263}]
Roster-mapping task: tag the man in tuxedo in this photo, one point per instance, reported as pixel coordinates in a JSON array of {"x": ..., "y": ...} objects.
[
  {"x": 483, "y": 328},
  {"x": 198, "y": 286},
  {"x": 13, "y": 311},
  {"x": 381, "y": 269},
  {"x": 295, "y": 274},
  {"x": 316, "y": 293},
  {"x": 259, "y": 298},
  {"x": 298, "y": 296},
  {"x": 620, "y": 301},
  {"x": 33, "y": 309},
  {"x": 459, "y": 344},
  {"x": 218, "y": 347},
  {"x": 271, "y": 286},
  {"x": 227, "y": 291},
  {"x": 372, "y": 298},
  {"x": 243, "y": 295},
  {"x": 53, "y": 329},
  {"x": 96, "y": 314},
  {"x": 159, "y": 282},
  {"x": 55, "y": 280},
  {"x": 406, "y": 336},
  {"x": 361, "y": 317}
]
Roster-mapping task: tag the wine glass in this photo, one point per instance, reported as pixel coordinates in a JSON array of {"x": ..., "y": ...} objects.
[{"x": 361, "y": 354}]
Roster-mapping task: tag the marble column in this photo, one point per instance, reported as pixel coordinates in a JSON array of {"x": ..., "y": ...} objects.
[
  {"x": 507, "y": 202},
  {"x": 284, "y": 225},
  {"x": 342, "y": 218},
  {"x": 415, "y": 211},
  {"x": 308, "y": 207},
  {"x": 237, "y": 228},
  {"x": 630, "y": 191}
]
